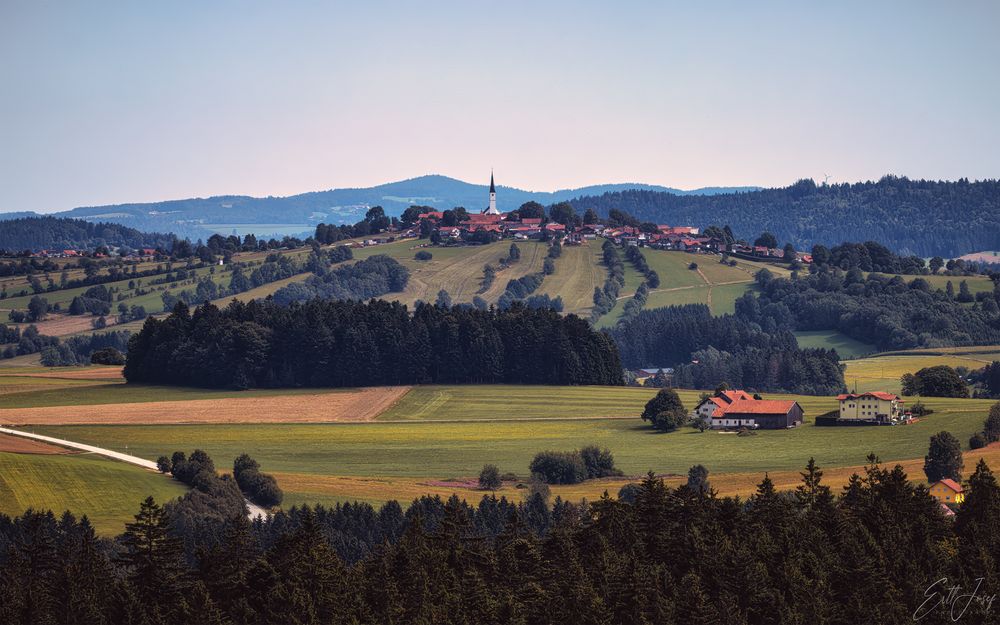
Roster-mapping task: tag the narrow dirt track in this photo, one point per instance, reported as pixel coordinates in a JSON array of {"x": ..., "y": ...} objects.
[
  {"x": 253, "y": 510},
  {"x": 354, "y": 405}
]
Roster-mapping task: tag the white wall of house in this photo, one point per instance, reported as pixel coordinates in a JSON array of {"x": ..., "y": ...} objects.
[{"x": 867, "y": 408}]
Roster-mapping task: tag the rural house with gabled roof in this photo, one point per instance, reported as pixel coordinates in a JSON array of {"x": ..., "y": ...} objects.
[
  {"x": 737, "y": 409},
  {"x": 871, "y": 407},
  {"x": 947, "y": 491}
]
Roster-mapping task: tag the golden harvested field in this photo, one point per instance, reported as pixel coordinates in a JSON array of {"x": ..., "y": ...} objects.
[
  {"x": 93, "y": 372},
  {"x": 320, "y": 407},
  {"x": 17, "y": 445}
]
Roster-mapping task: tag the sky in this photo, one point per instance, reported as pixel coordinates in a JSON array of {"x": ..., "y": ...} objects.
[{"x": 109, "y": 102}]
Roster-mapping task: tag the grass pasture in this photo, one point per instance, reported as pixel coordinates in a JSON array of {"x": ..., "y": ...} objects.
[
  {"x": 501, "y": 402},
  {"x": 108, "y": 492},
  {"x": 348, "y": 460},
  {"x": 831, "y": 339},
  {"x": 458, "y": 270}
]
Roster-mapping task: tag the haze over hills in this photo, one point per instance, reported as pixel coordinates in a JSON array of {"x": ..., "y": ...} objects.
[{"x": 200, "y": 217}]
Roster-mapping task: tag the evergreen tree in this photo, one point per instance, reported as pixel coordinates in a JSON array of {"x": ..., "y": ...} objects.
[
  {"x": 944, "y": 458},
  {"x": 153, "y": 559}
]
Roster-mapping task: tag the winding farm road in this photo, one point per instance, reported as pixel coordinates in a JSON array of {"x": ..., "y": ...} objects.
[{"x": 253, "y": 510}]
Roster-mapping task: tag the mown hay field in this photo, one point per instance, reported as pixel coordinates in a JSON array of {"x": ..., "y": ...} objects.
[{"x": 578, "y": 272}]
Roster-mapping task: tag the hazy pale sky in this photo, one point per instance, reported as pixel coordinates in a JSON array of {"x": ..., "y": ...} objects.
[{"x": 107, "y": 102}]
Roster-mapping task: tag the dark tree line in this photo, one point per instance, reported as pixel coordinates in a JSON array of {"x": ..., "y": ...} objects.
[
  {"x": 705, "y": 351},
  {"x": 78, "y": 350},
  {"x": 28, "y": 341},
  {"x": 655, "y": 555},
  {"x": 867, "y": 256},
  {"x": 890, "y": 313},
  {"x": 921, "y": 217},
  {"x": 365, "y": 279},
  {"x": 605, "y": 297},
  {"x": 347, "y": 343}
]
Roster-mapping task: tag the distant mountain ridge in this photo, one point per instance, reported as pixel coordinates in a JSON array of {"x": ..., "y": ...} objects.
[{"x": 200, "y": 217}]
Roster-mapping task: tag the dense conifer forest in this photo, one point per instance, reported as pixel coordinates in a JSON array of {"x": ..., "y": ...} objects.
[
  {"x": 706, "y": 351},
  {"x": 875, "y": 553},
  {"x": 348, "y": 343},
  {"x": 921, "y": 217},
  {"x": 32, "y": 233}
]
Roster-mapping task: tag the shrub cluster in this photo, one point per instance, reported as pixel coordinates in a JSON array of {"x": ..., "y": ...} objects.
[
  {"x": 260, "y": 488},
  {"x": 605, "y": 298},
  {"x": 638, "y": 260},
  {"x": 573, "y": 467}
]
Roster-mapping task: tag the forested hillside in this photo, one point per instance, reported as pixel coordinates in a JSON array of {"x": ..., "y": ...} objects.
[
  {"x": 920, "y": 217},
  {"x": 33, "y": 233}
]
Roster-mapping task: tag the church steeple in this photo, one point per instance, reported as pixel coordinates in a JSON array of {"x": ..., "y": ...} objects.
[{"x": 492, "y": 210}]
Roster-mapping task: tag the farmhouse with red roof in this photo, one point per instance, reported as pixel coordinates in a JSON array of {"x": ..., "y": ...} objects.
[{"x": 736, "y": 409}]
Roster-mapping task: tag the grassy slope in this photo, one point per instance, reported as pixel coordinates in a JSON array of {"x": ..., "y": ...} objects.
[
  {"x": 108, "y": 492},
  {"x": 578, "y": 271},
  {"x": 846, "y": 346},
  {"x": 458, "y": 270},
  {"x": 715, "y": 284}
]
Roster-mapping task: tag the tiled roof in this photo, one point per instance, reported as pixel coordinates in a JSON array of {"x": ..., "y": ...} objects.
[
  {"x": 875, "y": 394},
  {"x": 759, "y": 406},
  {"x": 952, "y": 484},
  {"x": 736, "y": 395}
]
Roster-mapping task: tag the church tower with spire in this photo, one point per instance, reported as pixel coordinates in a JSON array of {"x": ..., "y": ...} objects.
[{"x": 492, "y": 210}]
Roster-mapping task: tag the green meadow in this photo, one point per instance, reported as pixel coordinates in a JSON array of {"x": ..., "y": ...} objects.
[
  {"x": 106, "y": 491},
  {"x": 437, "y": 449}
]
